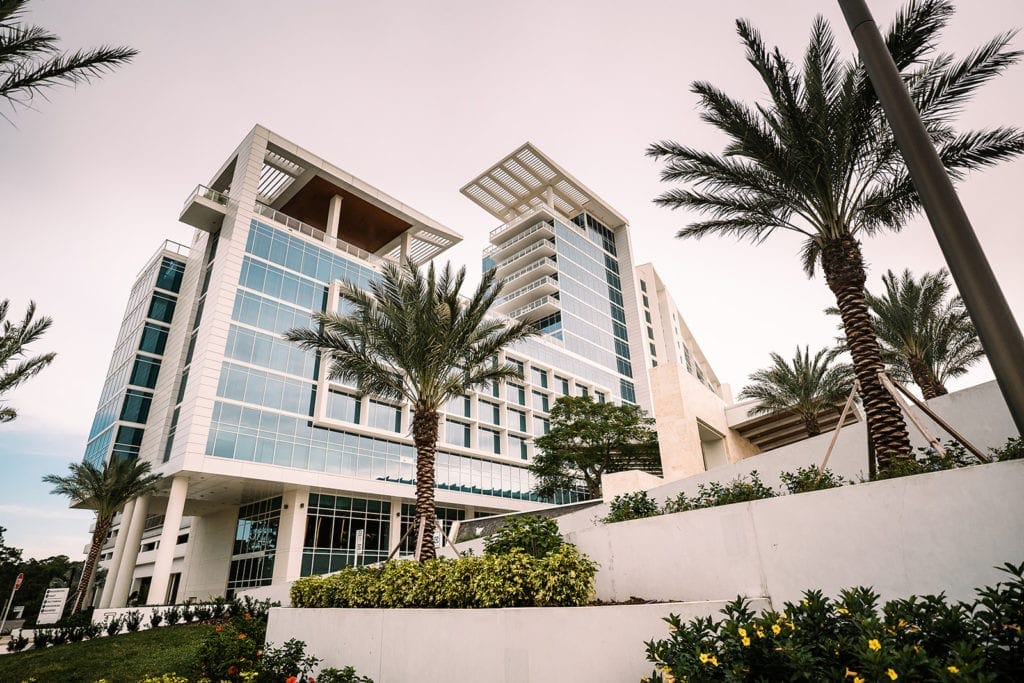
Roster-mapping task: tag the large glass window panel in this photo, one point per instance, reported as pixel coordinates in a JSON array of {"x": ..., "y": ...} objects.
[
  {"x": 144, "y": 372},
  {"x": 489, "y": 440},
  {"x": 136, "y": 406},
  {"x": 456, "y": 433},
  {"x": 161, "y": 307},
  {"x": 343, "y": 407},
  {"x": 385, "y": 416},
  {"x": 154, "y": 339}
]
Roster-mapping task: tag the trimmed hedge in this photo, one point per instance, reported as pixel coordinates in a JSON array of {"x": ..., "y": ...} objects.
[{"x": 562, "y": 578}]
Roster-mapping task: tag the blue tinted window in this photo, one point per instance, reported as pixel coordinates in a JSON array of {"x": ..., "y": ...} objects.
[
  {"x": 144, "y": 372},
  {"x": 161, "y": 307},
  {"x": 169, "y": 277},
  {"x": 154, "y": 339},
  {"x": 136, "y": 406}
]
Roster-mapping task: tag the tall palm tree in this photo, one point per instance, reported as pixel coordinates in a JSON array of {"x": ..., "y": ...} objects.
[
  {"x": 806, "y": 387},
  {"x": 105, "y": 490},
  {"x": 924, "y": 336},
  {"x": 14, "y": 340},
  {"x": 818, "y": 159},
  {"x": 31, "y": 61},
  {"x": 412, "y": 338}
]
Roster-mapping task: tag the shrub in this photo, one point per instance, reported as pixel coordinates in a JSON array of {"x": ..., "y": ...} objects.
[
  {"x": 203, "y": 612},
  {"x": 346, "y": 675},
  {"x": 565, "y": 577},
  {"x": 713, "y": 494},
  {"x": 534, "y": 535},
  {"x": 91, "y": 631},
  {"x": 817, "y": 639},
  {"x": 505, "y": 580},
  {"x": 132, "y": 621},
  {"x": 807, "y": 479},
  {"x": 172, "y": 615},
  {"x": 1013, "y": 449},
  {"x": 187, "y": 613},
  {"x": 233, "y": 649},
  {"x": 113, "y": 626},
  {"x": 41, "y": 637},
  {"x": 929, "y": 460},
  {"x": 631, "y": 506},
  {"x": 514, "y": 578},
  {"x": 281, "y": 663},
  {"x": 17, "y": 643},
  {"x": 165, "y": 678},
  {"x": 155, "y": 618}
]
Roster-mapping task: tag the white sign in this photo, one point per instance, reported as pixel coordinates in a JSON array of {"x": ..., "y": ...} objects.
[
  {"x": 359, "y": 542},
  {"x": 53, "y": 605}
]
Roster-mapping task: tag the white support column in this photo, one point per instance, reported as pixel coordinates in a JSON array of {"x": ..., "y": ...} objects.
[
  {"x": 132, "y": 541},
  {"x": 168, "y": 541},
  {"x": 334, "y": 217},
  {"x": 395, "y": 532},
  {"x": 123, "y": 529},
  {"x": 291, "y": 532},
  {"x": 406, "y": 246}
]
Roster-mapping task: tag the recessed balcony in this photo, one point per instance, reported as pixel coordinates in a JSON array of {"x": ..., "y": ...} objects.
[
  {"x": 510, "y": 264},
  {"x": 537, "y": 309},
  {"x": 517, "y": 298},
  {"x": 204, "y": 209},
  {"x": 521, "y": 277}
]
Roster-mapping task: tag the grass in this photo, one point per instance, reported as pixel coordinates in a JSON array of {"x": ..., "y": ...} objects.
[{"x": 125, "y": 658}]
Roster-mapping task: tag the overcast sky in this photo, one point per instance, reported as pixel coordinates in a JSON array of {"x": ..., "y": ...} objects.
[{"x": 415, "y": 98}]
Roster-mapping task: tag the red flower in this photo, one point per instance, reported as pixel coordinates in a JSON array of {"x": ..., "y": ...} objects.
[
  {"x": 292, "y": 679},
  {"x": 312, "y": 680},
  {"x": 232, "y": 670}
]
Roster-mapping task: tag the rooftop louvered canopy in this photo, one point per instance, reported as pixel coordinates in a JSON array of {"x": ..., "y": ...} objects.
[{"x": 527, "y": 178}]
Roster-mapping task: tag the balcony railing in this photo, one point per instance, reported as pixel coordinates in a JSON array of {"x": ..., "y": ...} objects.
[
  {"x": 316, "y": 233},
  {"x": 547, "y": 300},
  {"x": 207, "y": 193},
  {"x": 539, "y": 263},
  {"x": 547, "y": 280},
  {"x": 543, "y": 244},
  {"x": 519, "y": 219},
  {"x": 541, "y": 225}
]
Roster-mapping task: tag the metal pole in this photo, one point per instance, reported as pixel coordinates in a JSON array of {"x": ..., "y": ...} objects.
[
  {"x": 999, "y": 334},
  {"x": 7, "y": 607}
]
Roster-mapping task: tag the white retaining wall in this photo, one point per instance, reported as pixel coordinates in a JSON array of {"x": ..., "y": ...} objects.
[
  {"x": 518, "y": 645},
  {"x": 925, "y": 534}
]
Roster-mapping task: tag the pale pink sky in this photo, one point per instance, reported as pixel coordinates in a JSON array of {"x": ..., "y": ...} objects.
[{"x": 415, "y": 98}]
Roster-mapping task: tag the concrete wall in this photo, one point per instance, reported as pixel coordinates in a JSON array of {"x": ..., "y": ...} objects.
[
  {"x": 469, "y": 646},
  {"x": 944, "y": 531}
]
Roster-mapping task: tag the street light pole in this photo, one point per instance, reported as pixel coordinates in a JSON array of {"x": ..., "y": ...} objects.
[{"x": 999, "y": 334}]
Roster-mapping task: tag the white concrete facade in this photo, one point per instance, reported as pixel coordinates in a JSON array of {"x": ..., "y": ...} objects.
[{"x": 228, "y": 424}]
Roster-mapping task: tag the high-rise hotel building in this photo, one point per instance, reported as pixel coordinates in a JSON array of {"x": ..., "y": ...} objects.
[{"x": 273, "y": 471}]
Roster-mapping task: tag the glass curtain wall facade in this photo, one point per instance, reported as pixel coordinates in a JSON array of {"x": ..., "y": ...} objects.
[{"x": 127, "y": 393}]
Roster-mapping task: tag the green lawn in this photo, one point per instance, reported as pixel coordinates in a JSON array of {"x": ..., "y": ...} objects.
[{"x": 125, "y": 658}]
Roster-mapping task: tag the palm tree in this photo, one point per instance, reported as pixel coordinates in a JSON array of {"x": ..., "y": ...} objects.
[
  {"x": 14, "y": 339},
  {"x": 818, "y": 159},
  {"x": 105, "y": 490},
  {"x": 30, "y": 60},
  {"x": 923, "y": 335},
  {"x": 413, "y": 338},
  {"x": 806, "y": 387}
]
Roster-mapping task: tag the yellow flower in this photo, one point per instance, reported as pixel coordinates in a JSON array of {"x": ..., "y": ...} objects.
[
  {"x": 672, "y": 628},
  {"x": 790, "y": 625},
  {"x": 952, "y": 669},
  {"x": 902, "y": 623},
  {"x": 891, "y": 674},
  {"x": 875, "y": 645},
  {"x": 804, "y": 603},
  {"x": 742, "y": 631},
  {"x": 668, "y": 677},
  {"x": 713, "y": 660},
  {"x": 850, "y": 674},
  {"x": 704, "y": 657},
  {"x": 842, "y": 610},
  {"x": 858, "y": 679},
  {"x": 776, "y": 629},
  {"x": 746, "y": 641},
  {"x": 760, "y": 632}
]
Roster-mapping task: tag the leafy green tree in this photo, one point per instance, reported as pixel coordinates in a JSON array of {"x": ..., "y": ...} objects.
[
  {"x": 806, "y": 386},
  {"x": 14, "y": 340},
  {"x": 818, "y": 159},
  {"x": 105, "y": 490},
  {"x": 588, "y": 439},
  {"x": 31, "y": 61},
  {"x": 924, "y": 335},
  {"x": 412, "y": 337}
]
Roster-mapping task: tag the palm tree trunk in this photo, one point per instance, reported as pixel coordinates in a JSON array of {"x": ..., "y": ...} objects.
[
  {"x": 424, "y": 435},
  {"x": 98, "y": 538},
  {"x": 811, "y": 424},
  {"x": 922, "y": 375},
  {"x": 843, "y": 264}
]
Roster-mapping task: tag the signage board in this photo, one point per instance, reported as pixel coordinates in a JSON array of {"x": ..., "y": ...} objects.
[
  {"x": 360, "y": 534},
  {"x": 53, "y": 605}
]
